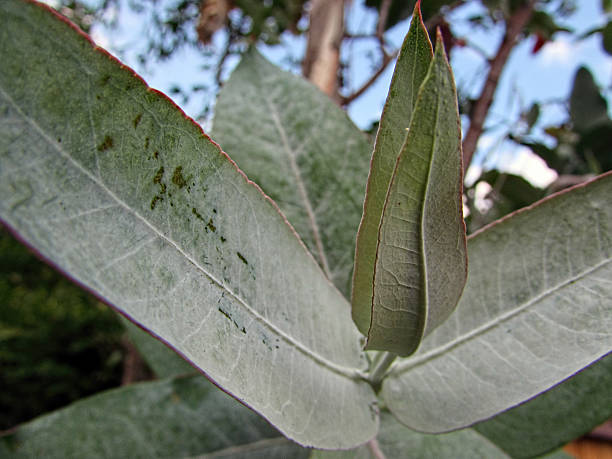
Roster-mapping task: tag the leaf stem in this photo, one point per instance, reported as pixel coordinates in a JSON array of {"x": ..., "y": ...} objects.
[
  {"x": 375, "y": 449},
  {"x": 380, "y": 366}
]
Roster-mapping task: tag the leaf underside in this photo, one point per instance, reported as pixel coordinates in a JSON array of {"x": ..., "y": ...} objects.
[
  {"x": 303, "y": 151},
  {"x": 112, "y": 184},
  {"x": 535, "y": 310},
  {"x": 410, "y": 70},
  {"x": 420, "y": 261}
]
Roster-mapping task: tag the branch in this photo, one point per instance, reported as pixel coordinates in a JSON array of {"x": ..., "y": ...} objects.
[
  {"x": 382, "y": 18},
  {"x": 325, "y": 32},
  {"x": 514, "y": 26},
  {"x": 433, "y": 20},
  {"x": 221, "y": 63},
  {"x": 387, "y": 58},
  {"x": 375, "y": 449},
  {"x": 134, "y": 367},
  {"x": 565, "y": 181},
  {"x": 360, "y": 36}
]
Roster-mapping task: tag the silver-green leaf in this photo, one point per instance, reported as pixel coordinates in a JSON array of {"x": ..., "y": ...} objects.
[
  {"x": 536, "y": 309},
  {"x": 303, "y": 151},
  {"x": 111, "y": 183}
]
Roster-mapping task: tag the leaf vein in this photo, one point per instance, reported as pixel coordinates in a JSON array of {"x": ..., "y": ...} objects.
[{"x": 349, "y": 373}]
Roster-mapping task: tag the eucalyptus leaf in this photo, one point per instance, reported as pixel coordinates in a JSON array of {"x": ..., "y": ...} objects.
[
  {"x": 396, "y": 441},
  {"x": 304, "y": 152},
  {"x": 536, "y": 309},
  {"x": 421, "y": 263},
  {"x": 113, "y": 185},
  {"x": 558, "y": 416},
  {"x": 410, "y": 70},
  {"x": 177, "y": 417}
]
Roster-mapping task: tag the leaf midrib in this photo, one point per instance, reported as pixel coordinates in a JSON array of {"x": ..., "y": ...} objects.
[
  {"x": 350, "y": 373},
  {"x": 312, "y": 219},
  {"x": 497, "y": 321}
]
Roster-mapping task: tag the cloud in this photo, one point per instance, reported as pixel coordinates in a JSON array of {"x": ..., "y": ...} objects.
[
  {"x": 100, "y": 38},
  {"x": 525, "y": 163},
  {"x": 561, "y": 51},
  {"x": 472, "y": 174}
]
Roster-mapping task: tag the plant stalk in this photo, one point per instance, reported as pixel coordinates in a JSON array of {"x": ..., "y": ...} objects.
[{"x": 380, "y": 367}]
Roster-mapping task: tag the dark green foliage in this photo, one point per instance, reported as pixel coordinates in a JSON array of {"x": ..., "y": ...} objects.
[
  {"x": 172, "y": 418},
  {"x": 57, "y": 343},
  {"x": 583, "y": 143},
  {"x": 588, "y": 108},
  {"x": 270, "y": 19}
]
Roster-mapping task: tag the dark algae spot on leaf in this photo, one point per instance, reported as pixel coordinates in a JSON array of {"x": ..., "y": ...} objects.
[
  {"x": 157, "y": 179},
  {"x": 223, "y": 239},
  {"x": 154, "y": 201},
  {"x": 177, "y": 177},
  {"x": 106, "y": 144},
  {"x": 244, "y": 260},
  {"x": 211, "y": 226},
  {"x": 229, "y": 317},
  {"x": 195, "y": 212},
  {"x": 158, "y": 175},
  {"x": 224, "y": 313},
  {"x": 136, "y": 121}
]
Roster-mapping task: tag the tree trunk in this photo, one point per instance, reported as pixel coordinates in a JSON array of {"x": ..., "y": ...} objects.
[{"x": 322, "y": 60}]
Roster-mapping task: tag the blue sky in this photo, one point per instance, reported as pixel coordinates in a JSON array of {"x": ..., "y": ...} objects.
[{"x": 528, "y": 78}]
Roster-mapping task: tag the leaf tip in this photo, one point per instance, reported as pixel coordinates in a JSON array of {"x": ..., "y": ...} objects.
[
  {"x": 439, "y": 38},
  {"x": 417, "y": 12}
]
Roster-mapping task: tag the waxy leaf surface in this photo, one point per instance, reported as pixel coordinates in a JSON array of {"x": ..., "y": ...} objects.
[
  {"x": 410, "y": 70},
  {"x": 111, "y": 183},
  {"x": 303, "y": 151},
  {"x": 421, "y": 263},
  {"x": 536, "y": 309},
  {"x": 396, "y": 441},
  {"x": 567, "y": 411},
  {"x": 178, "y": 417}
]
